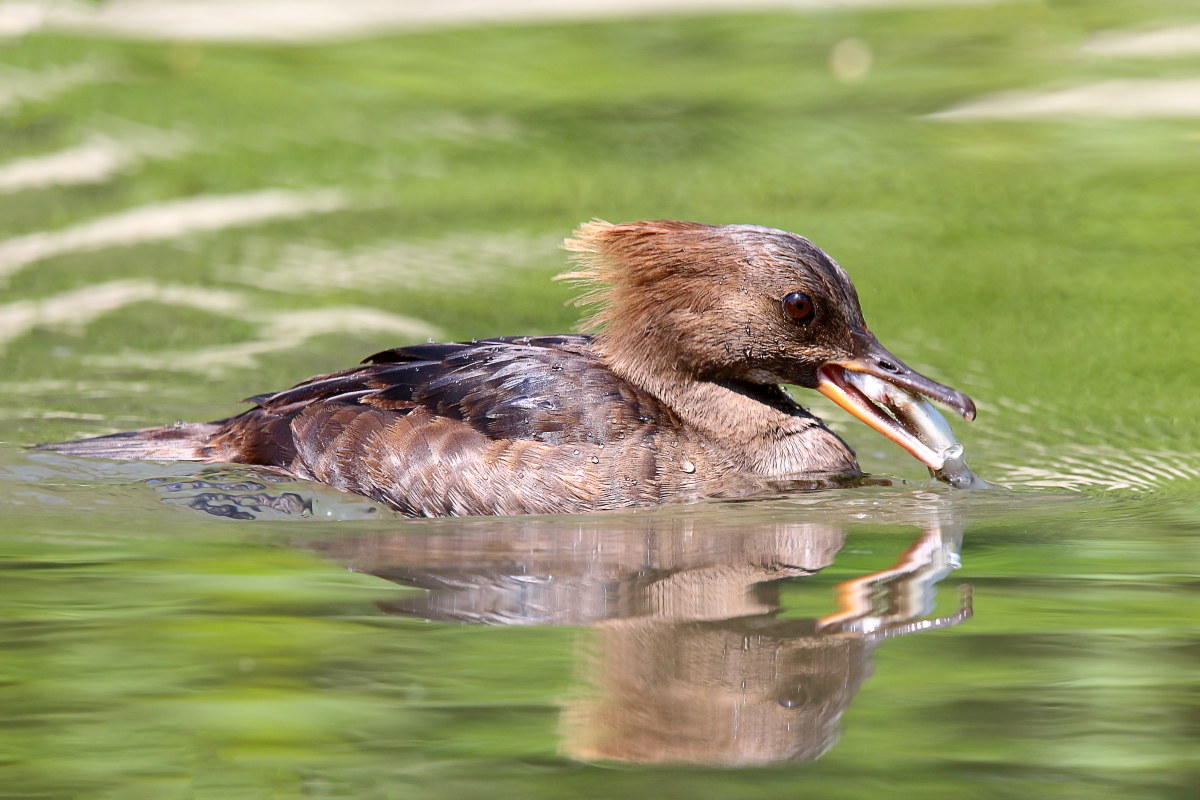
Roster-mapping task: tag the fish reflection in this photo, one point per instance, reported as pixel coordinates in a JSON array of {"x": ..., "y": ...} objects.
[{"x": 685, "y": 657}]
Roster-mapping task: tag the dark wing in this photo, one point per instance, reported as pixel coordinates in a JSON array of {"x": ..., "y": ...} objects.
[
  {"x": 524, "y": 425},
  {"x": 546, "y": 389}
]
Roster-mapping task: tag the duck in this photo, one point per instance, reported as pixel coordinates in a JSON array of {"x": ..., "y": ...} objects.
[{"x": 674, "y": 392}]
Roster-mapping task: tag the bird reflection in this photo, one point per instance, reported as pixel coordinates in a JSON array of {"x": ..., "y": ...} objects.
[{"x": 684, "y": 657}]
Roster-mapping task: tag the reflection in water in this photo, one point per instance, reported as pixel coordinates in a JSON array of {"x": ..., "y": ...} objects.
[{"x": 686, "y": 658}]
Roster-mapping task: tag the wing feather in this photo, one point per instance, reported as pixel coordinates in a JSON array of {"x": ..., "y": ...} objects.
[{"x": 511, "y": 426}]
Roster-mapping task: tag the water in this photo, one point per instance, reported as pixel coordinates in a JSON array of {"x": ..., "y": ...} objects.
[
  {"x": 184, "y": 223},
  {"x": 846, "y": 641}
]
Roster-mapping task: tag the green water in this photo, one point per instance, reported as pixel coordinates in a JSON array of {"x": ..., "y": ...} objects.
[{"x": 153, "y": 647}]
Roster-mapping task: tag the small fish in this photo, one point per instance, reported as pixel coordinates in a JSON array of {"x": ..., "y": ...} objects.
[{"x": 915, "y": 425}]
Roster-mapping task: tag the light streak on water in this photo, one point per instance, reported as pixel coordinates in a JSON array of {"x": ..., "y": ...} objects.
[{"x": 168, "y": 220}]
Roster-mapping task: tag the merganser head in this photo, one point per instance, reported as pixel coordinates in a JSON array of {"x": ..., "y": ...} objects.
[{"x": 752, "y": 304}]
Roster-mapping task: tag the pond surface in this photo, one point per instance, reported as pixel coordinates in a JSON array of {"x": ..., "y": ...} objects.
[
  {"x": 902, "y": 639},
  {"x": 185, "y": 223}
]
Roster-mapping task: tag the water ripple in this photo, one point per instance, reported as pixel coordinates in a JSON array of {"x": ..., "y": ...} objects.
[
  {"x": 19, "y": 86},
  {"x": 446, "y": 262},
  {"x": 76, "y": 308},
  {"x": 278, "y": 331},
  {"x": 1079, "y": 467},
  {"x": 168, "y": 220},
  {"x": 99, "y": 158},
  {"x": 1112, "y": 99}
]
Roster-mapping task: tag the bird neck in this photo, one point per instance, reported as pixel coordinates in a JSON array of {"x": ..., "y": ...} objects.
[{"x": 758, "y": 427}]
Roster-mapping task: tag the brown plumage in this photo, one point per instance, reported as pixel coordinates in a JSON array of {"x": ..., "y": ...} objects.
[{"x": 675, "y": 398}]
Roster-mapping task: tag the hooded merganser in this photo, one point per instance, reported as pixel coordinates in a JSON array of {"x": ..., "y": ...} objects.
[{"x": 675, "y": 397}]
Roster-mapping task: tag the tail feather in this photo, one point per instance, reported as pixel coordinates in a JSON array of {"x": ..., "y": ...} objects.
[{"x": 188, "y": 441}]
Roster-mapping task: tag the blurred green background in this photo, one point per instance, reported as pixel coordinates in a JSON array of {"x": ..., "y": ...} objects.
[
  {"x": 1030, "y": 261},
  {"x": 186, "y": 221}
]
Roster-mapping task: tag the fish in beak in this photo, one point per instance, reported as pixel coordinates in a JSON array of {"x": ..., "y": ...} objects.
[{"x": 891, "y": 397}]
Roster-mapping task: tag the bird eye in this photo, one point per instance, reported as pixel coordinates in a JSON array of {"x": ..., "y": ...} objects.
[{"x": 798, "y": 306}]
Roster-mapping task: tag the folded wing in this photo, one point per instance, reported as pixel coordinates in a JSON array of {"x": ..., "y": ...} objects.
[{"x": 508, "y": 426}]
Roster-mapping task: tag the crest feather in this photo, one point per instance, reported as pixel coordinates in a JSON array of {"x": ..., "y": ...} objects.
[
  {"x": 615, "y": 261},
  {"x": 588, "y": 246}
]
